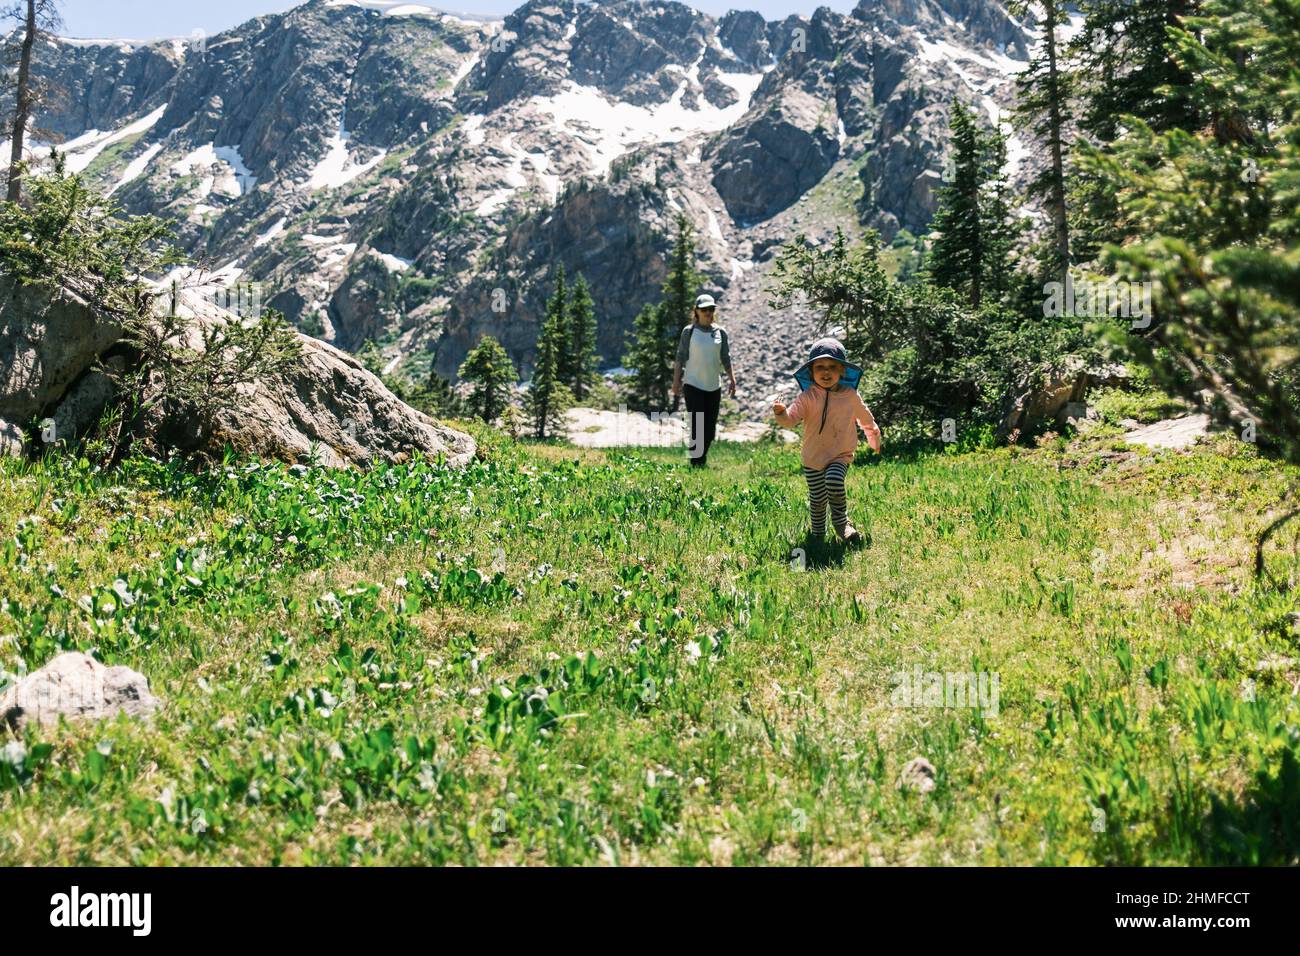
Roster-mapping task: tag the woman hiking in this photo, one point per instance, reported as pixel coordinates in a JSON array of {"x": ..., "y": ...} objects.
[{"x": 703, "y": 353}]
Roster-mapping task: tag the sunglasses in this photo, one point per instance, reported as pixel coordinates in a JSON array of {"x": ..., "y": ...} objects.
[{"x": 706, "y": 308}]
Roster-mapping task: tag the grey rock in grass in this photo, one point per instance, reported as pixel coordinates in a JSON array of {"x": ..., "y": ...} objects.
[
  {"x": 917, "y": 776},
  {"x": 78, "y": 687}
]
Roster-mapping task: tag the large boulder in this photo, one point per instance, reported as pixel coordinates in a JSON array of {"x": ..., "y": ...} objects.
[
  {"x": 78, "y": 687},
  {"x": 46, "y": 342},
  {"x": 332, "y": 402},
  {"x": 327, "y": 404},
  {"x": 1054, "y": 396},
  {"x": 1171, "y": 432}
]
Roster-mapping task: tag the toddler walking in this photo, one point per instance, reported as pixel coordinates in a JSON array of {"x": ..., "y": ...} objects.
[{"x": 830, "y": 408}]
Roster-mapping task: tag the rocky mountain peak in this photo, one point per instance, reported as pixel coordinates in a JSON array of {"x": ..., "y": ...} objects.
[{"x": 391, "y": 173}]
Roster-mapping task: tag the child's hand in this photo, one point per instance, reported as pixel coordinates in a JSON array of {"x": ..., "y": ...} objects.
[{"x": 778, "y": 408}]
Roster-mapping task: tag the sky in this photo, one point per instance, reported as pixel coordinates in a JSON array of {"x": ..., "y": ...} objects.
[{"x": 150, "y": 19}]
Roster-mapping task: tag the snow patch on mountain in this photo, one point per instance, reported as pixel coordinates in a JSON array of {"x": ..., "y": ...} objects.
[
  {"x": 231, "y": 157},
  {"x": 513, "y": 177},
  {"x": 947, "y": 53},
  {"x": 608, "y": 129},
  {"x": 464, "y": 69},
  {"x": 391, "y": 262},
  {"x": 137, "y": 167},
  {"x": 222, "y": 168},
  {"x": 474, "y": 129},
  {"x": 398, "y": 8},
  {"x": 389, "y": 8},
  {"x": 337, "y": 167},
  {"x": 271, "y": 233},
  {"x": 83, "y": 149},
  {"x": 714, "y": 229}
]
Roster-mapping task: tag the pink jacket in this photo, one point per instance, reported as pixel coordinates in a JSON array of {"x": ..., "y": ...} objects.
[{"x": 837, "y": 440}]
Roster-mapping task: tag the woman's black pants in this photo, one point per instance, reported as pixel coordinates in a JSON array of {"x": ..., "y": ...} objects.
[{"x": 702, "y": 408}]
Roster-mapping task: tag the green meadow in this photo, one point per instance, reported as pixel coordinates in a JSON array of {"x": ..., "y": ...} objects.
[{"x": 604, "y": 657}]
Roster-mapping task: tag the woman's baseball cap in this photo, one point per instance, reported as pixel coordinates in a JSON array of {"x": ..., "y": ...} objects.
[
  {"x": 704, "y": 301},
  {"x": 831, "y": 349}
]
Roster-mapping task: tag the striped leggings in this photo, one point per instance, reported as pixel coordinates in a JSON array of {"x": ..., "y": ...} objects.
[{"x": 827, "y": 485}]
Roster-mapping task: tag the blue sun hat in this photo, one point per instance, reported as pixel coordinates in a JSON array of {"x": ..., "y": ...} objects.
[{"x": 831, "y": 349}]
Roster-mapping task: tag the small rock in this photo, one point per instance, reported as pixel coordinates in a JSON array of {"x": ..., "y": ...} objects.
[
  {"x": 917, "y": 776},
  {"x": 76, "y": 686}
]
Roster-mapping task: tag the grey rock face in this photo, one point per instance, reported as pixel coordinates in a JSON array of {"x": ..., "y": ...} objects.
[
  {"x": 769, "y": 163},
  {"x": 745, "y": 33},
  {"x": 46, "y": 342},
  {"x": 100, "y": 86},
  {"x": 601, "y": 232},
  {"x": 78, "y": 687},
  {"x": 80, "y": 408}
]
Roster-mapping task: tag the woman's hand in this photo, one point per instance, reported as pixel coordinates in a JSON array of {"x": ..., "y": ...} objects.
[{"x": 778, "y": 409}]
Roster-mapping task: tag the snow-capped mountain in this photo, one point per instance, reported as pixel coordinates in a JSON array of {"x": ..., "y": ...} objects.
[{"x": 395, "y": 173}]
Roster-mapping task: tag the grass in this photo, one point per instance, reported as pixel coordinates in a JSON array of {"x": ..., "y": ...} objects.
[
  {"x": 1143, "y": 406},
  {"x": 579, "y": 656}
]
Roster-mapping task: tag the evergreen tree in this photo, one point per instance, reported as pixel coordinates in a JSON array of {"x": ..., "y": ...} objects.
[
  {"x": 848, "y": 286},
  {"x": 680, "y": 289},
  {"x": 439, "y": 398},
  {"x": 1125, "y": 66},
  {"x": 514, "y": 421},
  {"x": 957, "y": 257},
  {"x": 546, "y": 413},
  {"x": 579, "y": 372},
  {"x": 38, "y": 19},
  {"x": 548, "y": 395},
  {"x": 1043, "y": 104},
  {"x": 657, "y": 328},
  {"x": 492, "y": 374},
  {"x": 1210, "y": 216},
  {"x": 928, "y": 354},
  {"x": 1001, "y": 228},
  {"x": 974, "y": 235},
  {"x": 646, "y": 358}
]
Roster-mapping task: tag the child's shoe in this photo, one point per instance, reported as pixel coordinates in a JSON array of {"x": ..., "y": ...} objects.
[{"x": 852, "y": 536}]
